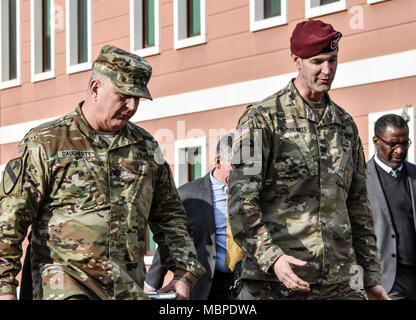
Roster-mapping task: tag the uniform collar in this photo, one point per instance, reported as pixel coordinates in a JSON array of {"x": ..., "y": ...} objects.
[
  {"x": 123, "y": 137},
  {"x": 85, "y": 128},
  {"x": 126, "y": 136},
  {"x": 299, "y": 108}
]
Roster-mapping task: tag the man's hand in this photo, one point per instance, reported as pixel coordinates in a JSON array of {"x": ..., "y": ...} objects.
[
  {"x": 377, "y": 293},
  {"x": 180, "y": 287},
  {"x": 283, "y": 270},
  {"x": 8, "y": 297}
]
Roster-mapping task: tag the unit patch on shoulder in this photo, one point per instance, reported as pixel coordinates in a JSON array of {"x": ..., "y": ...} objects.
[
  {"x": 11, "y": 175},
  {"x": 12, "y": 172}
]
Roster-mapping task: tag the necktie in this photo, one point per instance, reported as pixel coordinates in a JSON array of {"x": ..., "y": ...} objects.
[
  {"x": 234, "y": 252},
  {"x": 395, "y": 173}
]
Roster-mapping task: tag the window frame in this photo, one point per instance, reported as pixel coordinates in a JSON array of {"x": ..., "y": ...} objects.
[
  {"x": 136, "y": 29},
  {"x": 36, "y": 43},
  {"x": 148, "y": 259},
  {"x": 180, "y": 26},
  {"x": 79, "y": 67},
  {"x": 321, "y": 10},
  {"x": 372, "y": 118},
  {"x": 4, "y": 84},
  {"x": 180, "y": 148},
  {"x": 257, "y": 23},
  {"x": 2, "y": 167}
]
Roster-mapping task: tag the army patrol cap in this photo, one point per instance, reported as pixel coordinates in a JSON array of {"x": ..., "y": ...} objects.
[
  {"x": 128, "y": 72},
  {"x": 313, "y": 37}
]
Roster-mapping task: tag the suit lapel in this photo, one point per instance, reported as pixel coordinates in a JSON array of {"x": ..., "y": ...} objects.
[
  {"x": 377, "y": 191},
  {"x": 411, "y": 172},
  {"x": 208, "y": 214}
]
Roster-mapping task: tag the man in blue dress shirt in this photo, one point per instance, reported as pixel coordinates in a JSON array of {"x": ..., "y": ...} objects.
[{"x": 205, "y": 201}]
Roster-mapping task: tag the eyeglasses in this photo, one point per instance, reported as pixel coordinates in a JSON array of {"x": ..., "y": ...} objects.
[{"x": 395, "y": 145}]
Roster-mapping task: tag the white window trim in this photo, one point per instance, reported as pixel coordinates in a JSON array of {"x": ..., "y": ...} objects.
[
  {"x": 2, "y": 166},
  {"x": 191, "y": 41},
  {"x": 322, "y": 10},
  {"x": 81, "y": 66},
  {"x": 148, "y": 260},
  {"x": 261, "y": 24},
  {"x": 190, "y": 143},
  {"x": 36, "y": 40},
  {"x": 144, "y": 52},
  {"x": 15, "y": 82},
  {"x": 375, "y": 1},
  {"x": 372, "y": 118}
]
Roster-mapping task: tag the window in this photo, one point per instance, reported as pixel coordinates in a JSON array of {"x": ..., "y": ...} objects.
[
  {"x": 190, "y": 160},
  {"x": 190, "y": 164},
  {"x": 150, "y": 243},
  {"x": 10, "y": 43},
  {"x": 144, "y": 27},
  {"x": 78, "y": 35},
  {"x": 272, "y": 8},
  {"x": 42, "y": 40},
  {"x": 407, "y": 113},
  {"x": 315, "y": 8},
  {"x": 193, "y": 163},
  {"x": 193, "y": 13},
  {"x": 189, "y": 23},
  {"x": 267, "y": 14}
]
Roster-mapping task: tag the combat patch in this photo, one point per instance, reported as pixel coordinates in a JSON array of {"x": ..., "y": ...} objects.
[{"x": 11, "y": 175}]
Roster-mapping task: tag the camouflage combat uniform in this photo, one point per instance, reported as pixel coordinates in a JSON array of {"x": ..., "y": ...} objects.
[
  {"x": 301, "y": 191},
  {"x": 89, "y": 205}
]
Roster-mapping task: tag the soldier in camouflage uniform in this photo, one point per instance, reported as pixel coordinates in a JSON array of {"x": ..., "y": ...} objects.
[
  {"x": 298, "y": 198},
  {"x": 89, "y": 183}
]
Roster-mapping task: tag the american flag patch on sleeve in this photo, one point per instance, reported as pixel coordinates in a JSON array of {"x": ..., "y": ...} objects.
[
  {"x": 19, "y": 153},
  {"x": 242, "y": 131}
]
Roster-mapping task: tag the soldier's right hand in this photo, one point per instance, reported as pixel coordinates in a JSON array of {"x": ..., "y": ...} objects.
[
  {"x": 178, "y": 286},
  {"x": 8, "y": 297},
  {"x": 283, "y": 270}
]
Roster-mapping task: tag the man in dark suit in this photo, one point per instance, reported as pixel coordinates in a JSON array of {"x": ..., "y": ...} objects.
[
  {"x": 391, "y": 184},
  {"x": 205, "y": 202}
]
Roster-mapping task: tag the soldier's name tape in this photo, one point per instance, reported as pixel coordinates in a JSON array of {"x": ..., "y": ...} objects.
[{"x": 76, "y": 153}]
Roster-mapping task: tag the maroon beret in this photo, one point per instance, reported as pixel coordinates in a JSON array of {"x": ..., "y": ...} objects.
[{"x": 313, "y": 37}]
